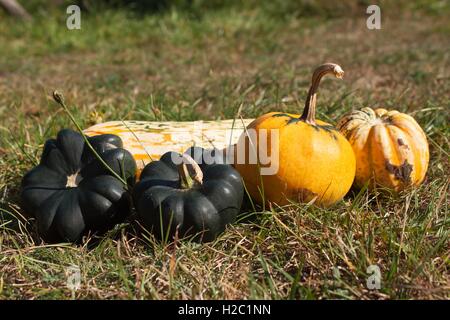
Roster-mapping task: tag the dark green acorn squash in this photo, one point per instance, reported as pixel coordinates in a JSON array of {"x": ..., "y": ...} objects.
[
  {"x": 71, "y": 191},
  {"x": 177, "y": 193}
]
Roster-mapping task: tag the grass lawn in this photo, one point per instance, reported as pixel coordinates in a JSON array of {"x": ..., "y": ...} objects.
[{"x": 183, "y": 65}]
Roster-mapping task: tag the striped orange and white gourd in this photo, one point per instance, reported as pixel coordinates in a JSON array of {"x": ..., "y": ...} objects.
[
  {"x": 391, "y": 148},
  {"x": 148, "y": 141}
]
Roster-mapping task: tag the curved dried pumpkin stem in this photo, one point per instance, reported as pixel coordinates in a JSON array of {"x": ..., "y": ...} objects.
[
  {"x": 190, "y": 173},
  {"x": 309, "y": 113}
]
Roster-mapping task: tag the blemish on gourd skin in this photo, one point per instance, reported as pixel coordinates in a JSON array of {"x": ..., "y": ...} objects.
[
  {"x": 304, "y": 194},
  {"x": 388, "y": 120},
  {"x": 344, "y": 124},
  {"x": 401, "y": 143},
  {"x": 401, "y": 172}
]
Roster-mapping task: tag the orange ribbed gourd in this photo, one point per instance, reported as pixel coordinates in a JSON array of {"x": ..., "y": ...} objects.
[{"x": 391, "y": 148}]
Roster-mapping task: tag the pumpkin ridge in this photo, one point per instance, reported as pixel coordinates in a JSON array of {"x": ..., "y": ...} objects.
[
  {"x": 46, "y": 213},
  {"x": 370, "y": 139},
  {"x": 387, "y": 151},
  {"x": 394, "y": 154},
  {"x": 414, "y": 166},
  {"x": 418, "y": 167},
  {"x": 343, "y": 124},
  {"x": 69, "y": 221}
]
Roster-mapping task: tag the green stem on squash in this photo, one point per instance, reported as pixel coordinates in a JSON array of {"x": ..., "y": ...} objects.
[
  {"x": 309, "y": 113},
  {"x": 191, "y": 175},
  {"x": 59, "y": 98}
]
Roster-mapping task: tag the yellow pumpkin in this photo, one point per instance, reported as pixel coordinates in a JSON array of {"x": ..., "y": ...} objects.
[
  {"x": 313, "y": 160},
  {"x": 391, "y": 148}
]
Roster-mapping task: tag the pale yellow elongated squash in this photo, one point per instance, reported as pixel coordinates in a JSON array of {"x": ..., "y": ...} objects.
[
  {"x": 391, "y": 148},
  {"x": 148, "y": 141}
]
